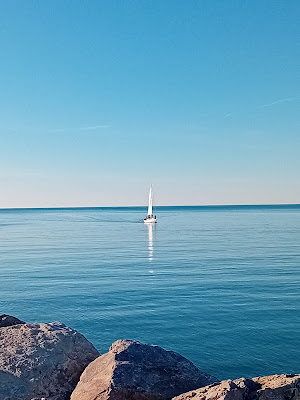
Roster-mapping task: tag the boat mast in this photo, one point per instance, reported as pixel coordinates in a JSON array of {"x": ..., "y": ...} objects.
[{"x": 150, "y": 205}]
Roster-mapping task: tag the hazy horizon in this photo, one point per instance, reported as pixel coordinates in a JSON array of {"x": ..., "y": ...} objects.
[{"x": 158, "y": 206}]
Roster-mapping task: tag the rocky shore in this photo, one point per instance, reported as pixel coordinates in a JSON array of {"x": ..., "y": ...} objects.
[{"x": 55, "y": 362}]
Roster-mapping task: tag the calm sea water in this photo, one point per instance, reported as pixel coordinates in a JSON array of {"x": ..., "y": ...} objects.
[{"x": 220, "y": 285}]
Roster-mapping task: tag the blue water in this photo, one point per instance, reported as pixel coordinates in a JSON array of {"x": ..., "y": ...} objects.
[{"x": 220, "y": 285}]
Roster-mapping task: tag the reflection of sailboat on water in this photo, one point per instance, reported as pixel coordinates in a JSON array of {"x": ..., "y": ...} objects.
[
  {"x": 150, "y": 219},
  {"x": 150, "y": 245}
]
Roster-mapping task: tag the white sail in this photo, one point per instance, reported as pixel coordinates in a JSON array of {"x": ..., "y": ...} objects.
[
  {"x": 150, "y": 219},
  {"x": 150, "y": 205}
]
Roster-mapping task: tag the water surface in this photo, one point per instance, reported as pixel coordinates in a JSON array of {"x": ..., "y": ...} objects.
[{"x": 220, "y": 285}]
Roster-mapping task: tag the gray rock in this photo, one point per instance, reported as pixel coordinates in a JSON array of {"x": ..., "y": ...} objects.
[
  {"x": 238, "y": 389},
  {"x": 8, "y": 320},
  {"x": 135, "y": 371},
  {"x": 42, "y": 361},
  {"x": 274, "y": 387},
  {"x": 278, "y": 387}
]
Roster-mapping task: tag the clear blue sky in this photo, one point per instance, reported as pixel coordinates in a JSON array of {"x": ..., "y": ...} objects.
[{"x": 100, "y": 98}]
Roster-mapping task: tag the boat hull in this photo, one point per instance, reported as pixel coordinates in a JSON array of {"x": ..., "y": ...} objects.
[{"x": 150, "y": 220}]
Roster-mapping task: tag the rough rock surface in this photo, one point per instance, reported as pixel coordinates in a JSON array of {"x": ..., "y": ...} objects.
[
  {"x": 279, "y": 387},
  {"x": 274, "y": 387},
  {"x": 135, "y": 371},
  {"x": 42, "y": 361},
  {"x": 8, "y": 320}
]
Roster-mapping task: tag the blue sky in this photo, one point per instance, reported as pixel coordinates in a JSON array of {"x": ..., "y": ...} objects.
[{"x": 98, "y": 99}]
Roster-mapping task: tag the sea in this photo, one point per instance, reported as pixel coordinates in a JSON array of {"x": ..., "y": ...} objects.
[{"x": 218, "y": 284}]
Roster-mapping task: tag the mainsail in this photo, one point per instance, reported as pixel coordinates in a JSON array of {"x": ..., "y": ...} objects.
[
  {"x": 150, "y": 219},
  {"x": 150, "y": 205}
]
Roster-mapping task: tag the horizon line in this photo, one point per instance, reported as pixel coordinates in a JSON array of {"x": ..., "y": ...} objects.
[{"x": 144, "y": 206}]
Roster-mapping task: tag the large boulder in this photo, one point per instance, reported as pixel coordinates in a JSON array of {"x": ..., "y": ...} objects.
[
  {"x": 8, "y": 320},
  {"x": 274, "y": 387},
  {"x": 42, "y": 361},
  {"x": 136, "y": 371}
]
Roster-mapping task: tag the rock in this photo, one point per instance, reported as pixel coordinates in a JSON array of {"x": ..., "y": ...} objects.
[
  {"x": 8, "y": 320},
  {"x": 274, "y": 387},
  {"x": 225, "y": 390},
  {"x": 279, "y": 387},
  {"x": 135, "y": 371},
  {"x": 42, "y": 361}
]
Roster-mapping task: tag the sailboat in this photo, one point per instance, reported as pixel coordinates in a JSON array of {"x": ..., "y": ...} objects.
[{"x": 150, "y": 219}]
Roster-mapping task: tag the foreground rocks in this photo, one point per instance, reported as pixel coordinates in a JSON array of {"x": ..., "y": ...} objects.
[
  {"x": 274, "y": 387},
  {"x": 279, "y": 387},
  {"x": 136, "y": 371},
  {"x": 8, "y": 320},
  {"x": 41, "y": 361},
  {"x": 45, "y": 361}
]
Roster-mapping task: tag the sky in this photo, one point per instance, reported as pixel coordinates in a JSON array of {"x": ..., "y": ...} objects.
[{"x": 99, "y": 99}]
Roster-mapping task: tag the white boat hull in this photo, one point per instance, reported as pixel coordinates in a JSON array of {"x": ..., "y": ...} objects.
[{"x": 150, "y": 220}]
